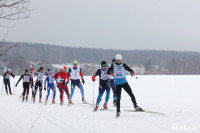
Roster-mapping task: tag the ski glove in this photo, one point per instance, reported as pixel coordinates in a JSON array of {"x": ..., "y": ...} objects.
[
  {"x": 93, "y": 78},
  {"x": 132, "y": 74},
  {"x": 45, "y": 88},
  {"x": 83, "y": 81}
]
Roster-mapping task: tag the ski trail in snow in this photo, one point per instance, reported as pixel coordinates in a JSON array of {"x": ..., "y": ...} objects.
[{"x": 37, "y": 118}]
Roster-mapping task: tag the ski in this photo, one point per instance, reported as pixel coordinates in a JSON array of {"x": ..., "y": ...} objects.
[
  {"x": 107, "y": 110},
  {"x": 86, "y": 103},
  {"x": 145, "y": 111}
]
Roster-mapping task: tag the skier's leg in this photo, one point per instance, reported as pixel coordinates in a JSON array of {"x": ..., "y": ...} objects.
[
  {"x": 118, "y": 92},
  {"x": 127, "y": 88},
  {"x": 72, "y": 92},
  {"x": 9, "y": 87},
  {"x": 48, "y": 92},
  {"x": 35, "y": 92},
  {"x": 61, "y": 93},
  {"x": 24, "y": 90},
  {"x": 101, "y": 91},
  {"x": 54, "y": 92},
  {"x": 40, "y": 90},
  {"x": 27, "y": 92},
  {"x": 66, "y": 91},
  {"x": 107, "y": 95},
  {"x": 82, "y": 90},
  {"x": 6, "y": 87},
  {"x": 113, "y": 89}
]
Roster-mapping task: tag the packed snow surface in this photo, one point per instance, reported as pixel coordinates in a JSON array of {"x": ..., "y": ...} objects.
[{"x": 176, "y": 96}]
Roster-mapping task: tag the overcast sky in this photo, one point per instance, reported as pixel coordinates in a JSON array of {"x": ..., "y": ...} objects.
[{"x": 113, "y": 24}]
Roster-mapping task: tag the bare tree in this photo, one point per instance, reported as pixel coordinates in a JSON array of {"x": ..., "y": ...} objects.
[
  {"x": 4, "y": 49},
  {"x": 14, "y": 9}
]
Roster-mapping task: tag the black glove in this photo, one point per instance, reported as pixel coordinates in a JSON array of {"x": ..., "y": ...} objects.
[
  {"x": 64, "y": 82},
  {"x": 83, "y": 81},
  {"x": 45, "y": 88}
]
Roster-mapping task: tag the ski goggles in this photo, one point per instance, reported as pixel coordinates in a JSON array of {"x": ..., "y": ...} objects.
[{"x": 104, "y": 65}]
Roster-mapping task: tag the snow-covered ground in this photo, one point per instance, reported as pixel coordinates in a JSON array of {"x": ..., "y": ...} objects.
[{"x": 176, "y": 96}]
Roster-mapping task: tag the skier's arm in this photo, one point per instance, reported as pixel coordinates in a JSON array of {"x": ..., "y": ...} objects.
[
  {"x": 67, "y": 79},
  {"x": 96, "y": 74},
  {"x": 12, "y": 75},
  {"x": 5, "y": 74},
  {"x": 110, "y": 69},
  {"x": 30, "y": 80},
  {"x": 19, "y": 80},
  {"x": 36, "y": 74},
  {"x": 81, "y": 74},
  {"x": 128, "y": 69},
  {"x": 69, "y": 72},
  {"x": 46, "y": 79},
  {"x": 55, "y": 76}
]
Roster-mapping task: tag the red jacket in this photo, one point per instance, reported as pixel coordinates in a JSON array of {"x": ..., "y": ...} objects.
[{"x": 62, "y": 76}]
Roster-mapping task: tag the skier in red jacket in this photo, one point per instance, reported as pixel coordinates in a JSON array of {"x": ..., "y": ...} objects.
[{"x": 62, "y": 81}]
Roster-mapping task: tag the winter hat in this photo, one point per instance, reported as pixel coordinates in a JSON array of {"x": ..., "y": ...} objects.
[{"x": 118, "y": 57}]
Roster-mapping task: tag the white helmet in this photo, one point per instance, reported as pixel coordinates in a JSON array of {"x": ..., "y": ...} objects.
[
  {"x": 9, "y": 70},
  {"x": 118, "y": 57}
]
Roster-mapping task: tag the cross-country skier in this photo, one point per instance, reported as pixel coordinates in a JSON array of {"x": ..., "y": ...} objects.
[
  {"x": 62, "y": 81},
  {"x": 118, "y": 69},
  {"x": 50, "y": 86},
  {"x": 6, "y": 79},
  {"x": 103, "y": 84},
  {"x": 26, "y": 84},
  {"x": 32, "y": 82},
  {"x": 39, "y": 83},
  {"x": 112, "y": 85},
  {"x": 75, "y": 73}
]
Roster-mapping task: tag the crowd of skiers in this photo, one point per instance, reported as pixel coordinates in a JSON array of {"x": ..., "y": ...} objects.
[{"x": 110, "y": 76}]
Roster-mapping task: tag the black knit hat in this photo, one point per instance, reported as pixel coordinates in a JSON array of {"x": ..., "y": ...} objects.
[{"x": 103, "y": 63}]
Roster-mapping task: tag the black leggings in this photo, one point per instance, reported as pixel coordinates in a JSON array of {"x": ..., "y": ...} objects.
[
  {"x": 7, "y": 84},
  {"x": 38, "y": 84},
  {"x": 127, "y": 88},
  {"x": 26, "y": 88}
]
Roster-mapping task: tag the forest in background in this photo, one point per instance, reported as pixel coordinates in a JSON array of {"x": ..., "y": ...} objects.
[{"x": 155, "y": 62}]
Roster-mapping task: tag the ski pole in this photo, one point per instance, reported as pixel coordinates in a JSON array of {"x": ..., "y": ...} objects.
[
  {"x": 93, "y": 93},
  {"x": 14, "y": 82}
]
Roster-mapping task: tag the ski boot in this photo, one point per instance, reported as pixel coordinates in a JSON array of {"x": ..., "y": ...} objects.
[
  {"x": 45, "y": 102},
  {"x": 105, "y": 106},
  {"x": 40, "y": 101},
  {"x": 22, "y": 99},
  {"x": 115, "y": 102},
  {"x": 53, "y": 101},
  {"x": 27, "y": 99},
  {"x": 10, "y": 93},
  {"x": 7, "y": 93},
  {"x": 83, "y": 100},
  {"x": 34, "y": 100},
  {"x": 118, "y": 114},
  {"x": 70, "y": 102},
  {"x": 61, "y": 102},
  {"x": 96, "y": 108},
  {"x": 137, "y": 108}
]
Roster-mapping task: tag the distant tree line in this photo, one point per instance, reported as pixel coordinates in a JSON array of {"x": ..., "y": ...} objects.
[{"x": 155, "y": 62}]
